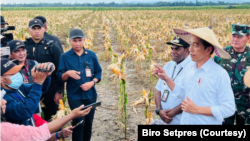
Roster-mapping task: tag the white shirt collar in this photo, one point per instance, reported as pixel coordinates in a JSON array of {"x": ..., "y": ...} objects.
[
  {"x": 184, "y": 62},
  {"x": 207, "y": 65}
]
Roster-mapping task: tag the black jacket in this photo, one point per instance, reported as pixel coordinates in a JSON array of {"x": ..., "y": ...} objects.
[
  {"x": 55, "y": 39},
  {"x": 41, "y": 52}
]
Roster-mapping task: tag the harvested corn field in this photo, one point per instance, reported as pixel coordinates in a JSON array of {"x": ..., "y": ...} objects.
[{"x": 128, "y": 44}]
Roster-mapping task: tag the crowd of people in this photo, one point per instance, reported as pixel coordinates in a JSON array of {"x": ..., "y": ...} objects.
[
  {"x": 34, "y": 71},
  {"x": 203, "y": 84}
]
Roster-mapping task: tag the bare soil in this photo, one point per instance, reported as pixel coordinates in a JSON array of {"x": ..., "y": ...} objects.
[{"x": 106, "y": 125}]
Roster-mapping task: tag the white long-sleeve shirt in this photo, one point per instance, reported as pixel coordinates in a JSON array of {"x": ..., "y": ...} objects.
[
  {"x": 208, "y": 86},
  {"x": 176, "y": 71}
]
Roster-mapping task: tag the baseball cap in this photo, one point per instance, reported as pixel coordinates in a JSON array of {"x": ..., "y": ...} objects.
[
  {"x": 15, "y": 45},
  {"x": 8, "y": 67},
  {"x": 240, "y": 30},
  {"x": 42, "y": 18},
  {"x": 76, "y": 33},
  {"x": 178, "y": 42},
  {"x": 3, "y": 21},
  {"x": 35, "y": 22}
]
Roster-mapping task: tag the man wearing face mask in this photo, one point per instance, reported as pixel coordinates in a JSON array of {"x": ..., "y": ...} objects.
[{"x": 22, "y": 99}]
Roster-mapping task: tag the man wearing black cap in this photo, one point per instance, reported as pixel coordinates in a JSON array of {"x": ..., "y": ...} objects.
[
  {"x": 44, "y": 50},
  {"x": 3, "y": 44},
  {"x": 80, "y": 68},
  {"x": 3, "y": 23},
  {"x": 168, "y": 107},
  {"x": 22, "y": 99},
  {"x": 49, "y": 36},
  {"x": 18, "y": 54}
]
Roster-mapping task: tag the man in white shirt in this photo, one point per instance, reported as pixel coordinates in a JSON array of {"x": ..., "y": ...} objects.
[
  {"x": 168, "y": 106},
  {"x": 206, "y": 86}
]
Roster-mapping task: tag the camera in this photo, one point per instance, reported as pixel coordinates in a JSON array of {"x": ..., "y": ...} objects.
[
  {"x": 48, "y": 68},
  {"x": 8, "y": 36}
]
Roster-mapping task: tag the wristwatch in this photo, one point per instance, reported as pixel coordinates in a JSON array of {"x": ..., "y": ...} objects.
[
  {"x": 157, "y": 111},
  {"x": 94, "y": 82}
]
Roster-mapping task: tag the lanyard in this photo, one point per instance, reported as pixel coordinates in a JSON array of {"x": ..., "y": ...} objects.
[
  {"x": 18, "y": 96},
  {"x": 176, "y": 74}
]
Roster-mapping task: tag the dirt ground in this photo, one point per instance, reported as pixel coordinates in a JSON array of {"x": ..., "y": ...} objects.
[{"x": 106, "y": 124}]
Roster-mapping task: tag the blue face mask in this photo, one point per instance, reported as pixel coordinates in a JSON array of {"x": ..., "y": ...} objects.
[{"x": 16, "y": 81}]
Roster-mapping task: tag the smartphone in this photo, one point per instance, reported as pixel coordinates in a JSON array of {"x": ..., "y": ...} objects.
[
  {"x": 77, "y": 125},
  {"x": 93, "y": 105},
  {"x": 5, "y": 51}
]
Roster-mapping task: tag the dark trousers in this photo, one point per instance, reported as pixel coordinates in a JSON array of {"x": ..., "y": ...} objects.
[
  {"x": 230, "y": 120},
  {"x": 51, "y": 107},
  {"x": 83, "y": 131}
]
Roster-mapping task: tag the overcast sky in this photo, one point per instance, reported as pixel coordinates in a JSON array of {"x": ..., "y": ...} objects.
[{"x": 96, "y": 1}]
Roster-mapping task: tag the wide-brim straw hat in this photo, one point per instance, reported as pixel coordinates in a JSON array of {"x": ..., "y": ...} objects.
[
  {"x": 247, "y": 78},
  {"x": 206, "y": 34}
]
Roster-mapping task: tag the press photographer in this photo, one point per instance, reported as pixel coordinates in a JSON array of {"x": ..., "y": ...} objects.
[
  {"x": 7, "y": 36},
  {"x": 18, "y": 54}
]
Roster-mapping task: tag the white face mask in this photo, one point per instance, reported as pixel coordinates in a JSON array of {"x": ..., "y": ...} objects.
[{"x": 16, "y": 81}]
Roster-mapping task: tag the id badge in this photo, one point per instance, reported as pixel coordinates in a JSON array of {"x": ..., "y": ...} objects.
[
  {"x": 165, "y": 95},
  {"x": 88, "y": 72}
]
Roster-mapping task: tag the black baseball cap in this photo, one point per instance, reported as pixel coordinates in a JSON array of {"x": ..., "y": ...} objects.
[
  {"x": 3, "y": 21},
  {"x": 178, "y": 42},
  {"x": 8, "y": 67},
  {"x": 42, "y": 18},
  {"x": 35, "y": 22},
  {"x": 15, "y": 45},
  {"x": 76, "y": 33}
]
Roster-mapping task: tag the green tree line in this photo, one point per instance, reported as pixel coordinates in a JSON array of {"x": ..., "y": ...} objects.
[{"x": 113, "y": 4}]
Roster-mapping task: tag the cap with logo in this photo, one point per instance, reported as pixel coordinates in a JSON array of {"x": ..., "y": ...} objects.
[
  {"x": 240, "y": 30},
  {"x": 177, "y": 41},
  {"x": 15, "y": 45},
  {"x": 42, "y": 18},
  {"x": 76, "y": 33},
  {"x": 35, "y": 22},
  {"x": 8, "y": 67},
  {"x": 3, "y": 21}
]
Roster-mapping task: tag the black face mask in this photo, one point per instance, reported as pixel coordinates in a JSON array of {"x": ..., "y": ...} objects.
[{"x": 3, "y": 119}]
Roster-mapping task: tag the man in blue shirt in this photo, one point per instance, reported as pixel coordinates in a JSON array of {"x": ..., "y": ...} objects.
[
  {"x": 22, "y": 99},
  {"x": 80, "y": 68}
]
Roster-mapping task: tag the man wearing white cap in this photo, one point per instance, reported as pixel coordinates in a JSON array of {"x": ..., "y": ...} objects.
[{"x": 206, "y": 88}]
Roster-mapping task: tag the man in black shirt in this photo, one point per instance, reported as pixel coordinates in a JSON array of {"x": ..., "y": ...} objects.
[
  {"x": 49, "y": 36},
  {"x": 43, "y": 50}
]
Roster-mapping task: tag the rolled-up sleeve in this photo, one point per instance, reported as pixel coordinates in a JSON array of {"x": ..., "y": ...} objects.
[{"x": 226, "y": 107}]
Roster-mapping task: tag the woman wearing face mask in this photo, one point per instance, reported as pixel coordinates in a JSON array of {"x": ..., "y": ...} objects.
[
  {"x": 22, "y": 99},
  {"x": 14, "y": 132}
]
